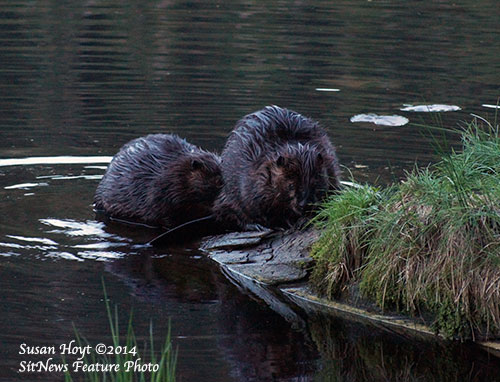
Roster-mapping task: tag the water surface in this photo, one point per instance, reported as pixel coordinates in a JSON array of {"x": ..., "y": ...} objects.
[{"x": 80, "y": 79}]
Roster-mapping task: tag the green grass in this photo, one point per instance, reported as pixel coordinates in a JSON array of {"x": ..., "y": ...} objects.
[
  {"x": 429, "y": 244},
  {"x": 340, "y": 250},
  {"x": 166, "y": 358}
]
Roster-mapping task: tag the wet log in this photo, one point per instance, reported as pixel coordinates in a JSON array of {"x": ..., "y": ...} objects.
[{"x": 274, "y": 266}]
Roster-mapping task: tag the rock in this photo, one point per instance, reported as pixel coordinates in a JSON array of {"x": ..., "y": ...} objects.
[
  {"x": 234, "y": 240},
  {"x": 267, "y": 256}
]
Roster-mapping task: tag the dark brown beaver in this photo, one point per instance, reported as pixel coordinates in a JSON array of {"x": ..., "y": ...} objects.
[
  {"x": 160, "y": 180},
  {"x": 276, "y": 164}
]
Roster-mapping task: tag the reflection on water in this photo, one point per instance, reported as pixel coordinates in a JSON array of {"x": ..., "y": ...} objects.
[
  {"x": 80, "y": 79},
  {"x": 363, "y": 353},
  {"x": 327, "y": 90},
  {"x": 33, "y": 239},
  {"x": 54, "y": 160},
  {"x": 74, "y": 228},
  {"x": 101, "y": 250},
  {"x": 25, "y": 186},
  {"x": 69, "y": 177}
]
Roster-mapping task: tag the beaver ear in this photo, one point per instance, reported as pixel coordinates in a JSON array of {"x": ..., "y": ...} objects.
[
  {"x": 267, "y": 171},
  {"x": 196, "y": 164},
  {"x": 281, "y": 161},
  {"x": 319, "y": 158}
]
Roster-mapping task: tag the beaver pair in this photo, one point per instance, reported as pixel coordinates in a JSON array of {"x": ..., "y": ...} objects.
[{"x": 275, "y": 165}]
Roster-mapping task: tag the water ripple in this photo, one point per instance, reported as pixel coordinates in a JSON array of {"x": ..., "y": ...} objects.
[
  {"x": 100, "y": 255},
  {"x": 33, "y": 239},
  {"x": 71, "y": 227},
  {"x": 25, "y": 186}
]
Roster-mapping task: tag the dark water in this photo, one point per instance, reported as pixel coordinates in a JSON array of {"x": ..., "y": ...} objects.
[{"x": 81, "y": 78}]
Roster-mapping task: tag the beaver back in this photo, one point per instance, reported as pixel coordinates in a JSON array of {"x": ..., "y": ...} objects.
[{"x": 160, "y": 179}]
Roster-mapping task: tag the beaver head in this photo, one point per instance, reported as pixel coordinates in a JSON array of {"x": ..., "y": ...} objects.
[
  {"x": 204, "y": 178},
  {"x": 291, "y": 182}
]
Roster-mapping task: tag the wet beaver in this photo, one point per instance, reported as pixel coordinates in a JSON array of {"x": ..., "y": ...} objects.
[
  {"x": 276, "y": 164},
  {"x": 160, "y": 180}
]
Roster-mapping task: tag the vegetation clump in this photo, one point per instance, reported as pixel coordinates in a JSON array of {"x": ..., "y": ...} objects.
[
  {"x": 429, "y": 244},
  {"x": 127, "y": 363}
]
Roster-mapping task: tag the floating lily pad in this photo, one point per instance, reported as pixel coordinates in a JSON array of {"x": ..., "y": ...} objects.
[
  {"x": 436, "y": 108},
  {"x": 385, "y": 120}
]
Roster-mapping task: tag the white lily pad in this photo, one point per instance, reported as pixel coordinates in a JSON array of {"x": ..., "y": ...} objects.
[
  {"x": 436, "y": 108},
  {"x": 385, "y": 120}
]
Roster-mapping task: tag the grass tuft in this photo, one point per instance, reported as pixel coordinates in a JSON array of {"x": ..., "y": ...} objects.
[
  {"x": 429, "y": 244},
  {"x": 339, "y": 252},
  {"x": 166, "y": 358}
]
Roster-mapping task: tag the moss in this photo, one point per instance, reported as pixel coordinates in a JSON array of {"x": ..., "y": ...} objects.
[{"x": 450, "y": 321}]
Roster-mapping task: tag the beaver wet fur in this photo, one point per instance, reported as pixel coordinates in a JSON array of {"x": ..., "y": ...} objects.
[
  {"x": 276, "y": 164},
  {"x": 160, "y": 180}
]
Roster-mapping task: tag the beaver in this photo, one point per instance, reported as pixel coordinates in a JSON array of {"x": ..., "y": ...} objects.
[
  {"x": 276, "y": 164},
  {"x": 160, "y": 180}
]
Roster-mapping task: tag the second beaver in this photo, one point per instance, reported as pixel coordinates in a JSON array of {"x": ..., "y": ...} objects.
[
  {"x": 275, "y": 165},
  {"x": 160, "y": 180}
]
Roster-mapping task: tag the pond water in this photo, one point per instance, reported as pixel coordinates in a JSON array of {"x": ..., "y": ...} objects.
[{"x": 81, "y": 78}]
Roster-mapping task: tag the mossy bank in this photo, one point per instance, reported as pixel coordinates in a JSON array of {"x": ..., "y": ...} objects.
[{"x": 428, "y": 247}]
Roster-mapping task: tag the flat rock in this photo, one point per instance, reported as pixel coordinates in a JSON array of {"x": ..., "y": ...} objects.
[
  {"x": 234, "y": 240},
  {"x": 233, "y": 257},
  {"x": 268, "y": 257}
]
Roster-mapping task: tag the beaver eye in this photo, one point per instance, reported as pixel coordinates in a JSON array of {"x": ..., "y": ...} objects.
[{"x": 290, "y": 187}]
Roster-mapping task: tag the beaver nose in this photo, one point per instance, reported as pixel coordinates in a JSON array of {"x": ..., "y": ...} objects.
[{"x": 304, "y": 200}]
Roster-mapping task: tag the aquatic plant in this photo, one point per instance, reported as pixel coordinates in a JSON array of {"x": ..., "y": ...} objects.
[
  {"x": 131, "y": 365},
  {"x": 430, "y": 244}
]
